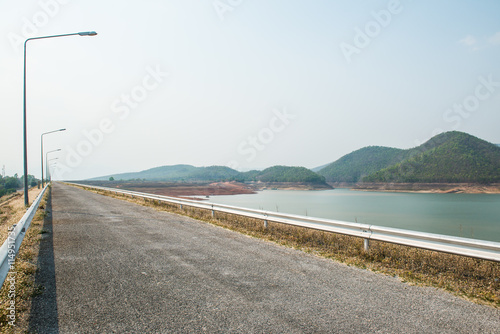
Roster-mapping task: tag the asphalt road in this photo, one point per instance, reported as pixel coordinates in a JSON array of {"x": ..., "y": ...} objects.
[{"x": 110, "y": 266}]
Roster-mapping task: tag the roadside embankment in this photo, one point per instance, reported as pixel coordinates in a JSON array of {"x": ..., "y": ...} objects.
[
  {"x": 290, "y": 186},
  {"x": 12, "y": 210},
  {"x": 20, "y": 287}
]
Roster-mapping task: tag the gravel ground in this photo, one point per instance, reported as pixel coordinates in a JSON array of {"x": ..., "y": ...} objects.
[{"x": 110, "y": 266}]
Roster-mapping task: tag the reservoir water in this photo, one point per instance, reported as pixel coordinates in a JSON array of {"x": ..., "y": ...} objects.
[{"x": 465, "y": 215}]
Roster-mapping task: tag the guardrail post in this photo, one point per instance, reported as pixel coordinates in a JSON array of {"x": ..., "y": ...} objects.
[
  {"x": 366, "y": 244},
  {"x": 181, "y": 206},
  {"x": 213, "y": 212},
  {"x": 265, "y": 222}
]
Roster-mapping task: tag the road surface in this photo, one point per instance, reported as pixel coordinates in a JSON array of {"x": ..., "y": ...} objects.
[{"x": 110, "y": 266}]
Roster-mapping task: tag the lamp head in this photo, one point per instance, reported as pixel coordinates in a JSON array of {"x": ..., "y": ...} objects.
[{"x": 87, "y": 33}]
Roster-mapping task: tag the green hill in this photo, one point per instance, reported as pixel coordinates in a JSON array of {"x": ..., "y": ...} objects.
[
  {"x": 283, "y": 174},
  {"x": 451, "y": 157},
  {"x": 354, "y": 166}
]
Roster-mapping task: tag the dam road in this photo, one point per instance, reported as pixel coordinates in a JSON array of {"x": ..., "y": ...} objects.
[{"x": 111, "y": 266}]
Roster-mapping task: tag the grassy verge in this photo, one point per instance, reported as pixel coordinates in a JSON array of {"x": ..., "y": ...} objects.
[
  {"x": 7, "y": 198},
  {"x": 25, "y": 268},
  {"x": 473, "y": 279},
  {"x": 12, "y": 210}
]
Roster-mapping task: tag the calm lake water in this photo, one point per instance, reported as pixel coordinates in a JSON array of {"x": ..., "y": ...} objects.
[{"x": 465, "y": 215}]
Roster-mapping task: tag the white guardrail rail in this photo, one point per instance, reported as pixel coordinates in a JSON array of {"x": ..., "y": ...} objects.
[
  {"x": 487, "y": 250},
  {"x": 15, "y": 236}
]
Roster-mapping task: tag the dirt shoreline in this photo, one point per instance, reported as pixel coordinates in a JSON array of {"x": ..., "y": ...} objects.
[
  {"x": 289, "y": 186},
  {"x": 189, "y": 190},
  {"x": 430, "y": 188},
  {"x": 192, "y": 189},
  {"x": 204, "y": 189}
]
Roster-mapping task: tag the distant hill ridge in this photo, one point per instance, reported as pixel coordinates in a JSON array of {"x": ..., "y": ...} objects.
[
  {"x": 450, "y": 157},
  {"x": 177, "y": 173},
  {"x": 190, "y": 173},
  {"x": 283, "y": 174}
]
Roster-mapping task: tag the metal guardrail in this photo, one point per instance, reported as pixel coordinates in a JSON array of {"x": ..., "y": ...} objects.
[
  {"x": 10, "y": 248},
  {"x": 487, "y": 250}
]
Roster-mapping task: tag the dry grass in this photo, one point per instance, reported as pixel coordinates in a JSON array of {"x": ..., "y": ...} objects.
[
  {"x": 473, "y": 279},
  {"x": 12, "y": 210},
  {"x": 25, "y": 266},
  {"x": 7, "y": 198}
]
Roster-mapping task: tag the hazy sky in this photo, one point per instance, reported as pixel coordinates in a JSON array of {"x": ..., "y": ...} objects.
[{"x": 242, "y": 83}]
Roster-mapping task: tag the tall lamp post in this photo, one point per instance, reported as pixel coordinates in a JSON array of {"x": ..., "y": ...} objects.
[
  {"x": 86, "y": 33},
  {"x": 41, "y": 147},
  {"x": 46, "y": 161}
]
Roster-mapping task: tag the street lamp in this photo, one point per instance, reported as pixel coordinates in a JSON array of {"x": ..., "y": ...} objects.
[
  {"x": 46, "y": 157},
  {"x": 86, "y": 33},
  {"x": 41, "y": 148}
]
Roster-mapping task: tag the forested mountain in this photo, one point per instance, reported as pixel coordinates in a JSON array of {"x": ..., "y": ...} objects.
[
  {"x": 459, "y": 158},
  {"x": 449, "y": 157},
  {"x": 283, "y": 174},
  {"x": 353, "y": 166}
]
